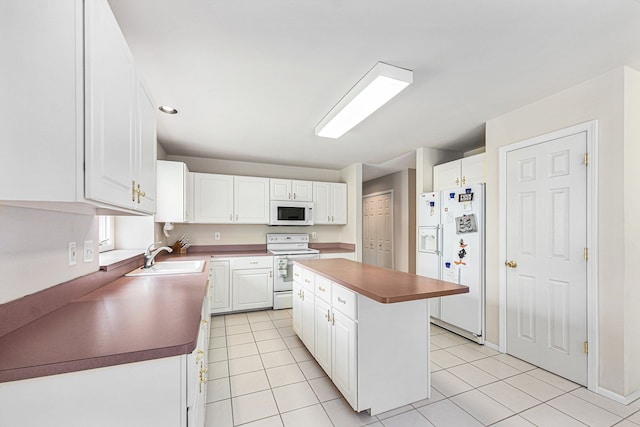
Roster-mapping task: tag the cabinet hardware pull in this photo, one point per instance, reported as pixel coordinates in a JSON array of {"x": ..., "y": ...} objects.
[
  {"x": 303, "y": 295},
  {"x": 464, "y": 180},
  {"x": 140, "y": 193},
  {"x": 294, "y": 196},
  {"x": 289, "y": 196},
  {"x": 199, "y": 355},
  {"x": 321, "y": 289},
  {"x": 237, "y": 216},
  {"x": 328, "y": 219},
  {"x": 270, "y": 273},
  {"x": 204, "y": 321},
  {"x": 332, "y": 220},
  {"x": 133, "y": 191},
  {"x": 328, "y": 315},
  {"x": 333, "y": 319},
  {"x": 341, "y": 300},
  {"x": 457, "y": 181}
]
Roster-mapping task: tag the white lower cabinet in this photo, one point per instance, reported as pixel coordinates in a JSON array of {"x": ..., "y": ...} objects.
[
  {"x": 376, "y": 354},
  {"x": 303, "y": 319},
  {"x": 241, "y": 284},
  {"x": 220, "y": 286}
]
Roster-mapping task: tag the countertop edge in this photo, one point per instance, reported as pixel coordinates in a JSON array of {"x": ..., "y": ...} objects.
[{"x": 383, "y": 299}]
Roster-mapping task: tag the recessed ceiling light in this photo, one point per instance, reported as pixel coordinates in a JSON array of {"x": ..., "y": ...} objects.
[
  {"x": 378, "y": 86},
  {"x": 168, "y": 110}
]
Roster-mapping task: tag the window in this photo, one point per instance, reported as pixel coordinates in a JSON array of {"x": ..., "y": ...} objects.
[{"x": 106, "y": 233}]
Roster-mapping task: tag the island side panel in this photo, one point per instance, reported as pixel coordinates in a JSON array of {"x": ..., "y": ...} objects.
[{"x": 393, "y": 354}]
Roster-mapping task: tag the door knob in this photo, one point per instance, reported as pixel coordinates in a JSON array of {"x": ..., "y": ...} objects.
[{"x": 511, "y": 264}]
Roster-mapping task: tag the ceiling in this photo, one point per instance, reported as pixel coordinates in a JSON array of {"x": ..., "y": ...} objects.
[{"x": 251, "y": 79}]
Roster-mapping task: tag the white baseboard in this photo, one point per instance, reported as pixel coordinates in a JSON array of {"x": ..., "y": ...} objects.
[
  {"x": 625, "y": 400},
  {"x": 492, "y": 346}
]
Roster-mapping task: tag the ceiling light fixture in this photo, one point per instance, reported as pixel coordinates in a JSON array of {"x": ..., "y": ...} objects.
[
  {"x": 167, "y": 109},
  {"x": 375, "y": 89}
]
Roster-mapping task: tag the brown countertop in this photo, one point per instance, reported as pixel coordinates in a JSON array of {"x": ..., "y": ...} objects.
[
  {"x": 224, "y": 251},
  {"x": 381, "y": 284},
  {"x": 129, "y": 320}
]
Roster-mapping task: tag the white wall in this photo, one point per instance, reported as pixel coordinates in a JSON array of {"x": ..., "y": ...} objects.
[
  {"x": 602, "y": 98},
  {"x": 34, "y": 249},
  {"x": 426, "y": 159},
  {"x": 352, "y": 232}
]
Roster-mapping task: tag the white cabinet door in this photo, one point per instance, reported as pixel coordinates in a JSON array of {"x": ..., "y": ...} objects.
[
  {"x": 252, "y": 289},
  {"x": 322, "y": 202},
  {"x": 473, "y": 169},
  {"x": 213, "y": 198},
  {"x": 251, "y": 200},
  {"x": 144, "y": 171},
  {"x": 173, "y": 184},
  {"x": 280, "y": 189},
  {"x": 297, "y": 308},
  {"x": 110, "y": 91},
  {"x": 220, "y": 287},
  {"x": 446, "y": 175},
  {"x": 330, "y": 203},
  {"x": 308, "y": 313},
  {"x": 339, "y": 203},
  {"x": 457, "y": 173},
  {"x": 344, "y": 356},
  {"x": 302, "y": 191},
  {"x": 323, "y": 331}
]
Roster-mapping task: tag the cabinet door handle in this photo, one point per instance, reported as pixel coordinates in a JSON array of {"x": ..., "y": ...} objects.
[
  {"x": 270, "y": 273},
  {"x": 321, "y": 289},
  {"x": 294, "y": 196},
  {"x": 341, "y": 300},
  {"x": 289, "y": 196},
  {"x": 199, "y": 355},
  {"x": 230, "y": 217},
  {"x": 457, "y": 181},
  {"x": 333, "y": 319},
  {"x": 332, "y": 220},
  {"x": 464, "y": 180},
  {"x": 237, "y": 216},
  {"x": 328, "y": 219},
  {"x": 328, "y": 315},
  {"x": 133, "y": 191}
]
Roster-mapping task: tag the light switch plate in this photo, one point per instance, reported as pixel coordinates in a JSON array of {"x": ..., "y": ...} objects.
[{"x": 88, "y": 250}]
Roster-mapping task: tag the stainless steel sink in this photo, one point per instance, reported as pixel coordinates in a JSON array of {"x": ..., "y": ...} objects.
[{"x": 169, "y": 267}]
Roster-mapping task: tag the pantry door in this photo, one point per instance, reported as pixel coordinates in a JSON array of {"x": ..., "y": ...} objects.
[
  {"x": 546, "y": 262},
  {"x": 378, "y": 229}
]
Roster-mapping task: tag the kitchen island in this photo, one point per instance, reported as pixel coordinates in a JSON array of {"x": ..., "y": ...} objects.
[{"x": 368, "y": 328}]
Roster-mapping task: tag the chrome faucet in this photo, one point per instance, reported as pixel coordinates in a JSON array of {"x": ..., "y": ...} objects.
[{"x": 151, "y": 252}]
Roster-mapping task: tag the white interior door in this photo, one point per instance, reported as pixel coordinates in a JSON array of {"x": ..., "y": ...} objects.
[
  {"x": 384, "y": 230},
  {"x": 546, "y": 238},
  {"x": 377, "y": 233},
  {"x": 368, "y": 231}
]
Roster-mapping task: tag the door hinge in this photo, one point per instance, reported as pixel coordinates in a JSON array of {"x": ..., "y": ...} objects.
[
  {"x": 586, "y": 159},
  {"x": 586, "y": 254},
  {"x": 586, "y": 347}
]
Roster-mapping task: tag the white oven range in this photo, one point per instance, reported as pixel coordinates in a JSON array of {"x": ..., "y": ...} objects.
[{"x": 286, "y": 248}]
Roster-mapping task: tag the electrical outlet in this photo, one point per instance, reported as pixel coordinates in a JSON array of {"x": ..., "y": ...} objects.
[
  {"x": 72, "y": 253},
  {"x": 88, "y": 250},
  {"x": 313, "y": 235},
  {"x": 216, "y": 235}
]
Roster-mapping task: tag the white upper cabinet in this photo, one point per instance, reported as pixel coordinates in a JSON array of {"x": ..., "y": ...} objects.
[
  {"x": 213, "y": 198},
  {"x": 286, "y": 189},
  {"x": 82, "y": 127},
  {"x": 227, "y": 199},
  {"x": 458, "y": 173},
  {"x": 251, "y": 200},
  {"x": 174, "y": 192},
  {"x": 330, "y": 203}
]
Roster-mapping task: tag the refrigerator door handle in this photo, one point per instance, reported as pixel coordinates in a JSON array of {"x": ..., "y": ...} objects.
[{"x": 439, "y": 239}]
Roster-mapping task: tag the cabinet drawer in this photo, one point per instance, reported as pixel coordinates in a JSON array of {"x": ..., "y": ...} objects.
[
  {"x": 309, "y": 280},
  {"x": 244, "y": 263},
  {"x": 344, "y": 300},
  {"x": 323, "y": 288},
  {"x": 297, "y": 273}
]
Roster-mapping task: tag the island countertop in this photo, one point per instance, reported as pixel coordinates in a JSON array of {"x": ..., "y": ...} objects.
[{"x": 381, "y": 284}]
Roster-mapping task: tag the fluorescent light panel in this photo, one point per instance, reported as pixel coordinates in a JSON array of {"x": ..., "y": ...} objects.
[{"x": 375, "y": 89}]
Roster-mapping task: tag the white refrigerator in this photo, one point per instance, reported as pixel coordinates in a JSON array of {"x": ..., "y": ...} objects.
[{"x": 451, "y": 247}]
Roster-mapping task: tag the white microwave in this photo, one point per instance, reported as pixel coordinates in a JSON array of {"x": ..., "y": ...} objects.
[{"x": 291, "y": 213}]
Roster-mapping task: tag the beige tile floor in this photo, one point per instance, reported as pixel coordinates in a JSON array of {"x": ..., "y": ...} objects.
[{"x": 260, "y": 374}]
